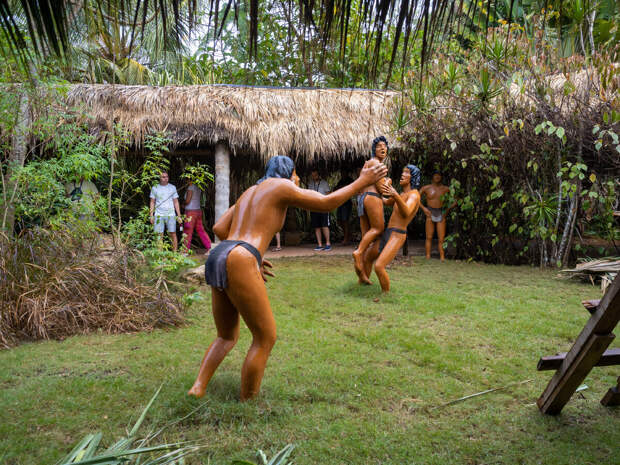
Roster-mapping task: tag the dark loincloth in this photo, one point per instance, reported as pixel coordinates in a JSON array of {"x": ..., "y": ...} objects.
[
  {"x": 386, "y": 236},
  {"x": 437, "y": 214},
  {"x": 360, "y": 201},
  {"x": 215, "y": 267}
]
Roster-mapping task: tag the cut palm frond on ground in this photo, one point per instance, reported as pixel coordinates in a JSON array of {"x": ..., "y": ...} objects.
[
  {"x": 604, "y": 269},
  {"x": 130, "y": 449}
]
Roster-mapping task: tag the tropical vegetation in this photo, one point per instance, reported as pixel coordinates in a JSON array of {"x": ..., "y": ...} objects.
[{"x": 515, "y": 101}]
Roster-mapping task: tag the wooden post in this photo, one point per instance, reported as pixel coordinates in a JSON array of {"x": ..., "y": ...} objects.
[
  {"x": 612, "y": 398},
  {"x": 585, "y": 353},
  {"x": 222, "y": 179}
]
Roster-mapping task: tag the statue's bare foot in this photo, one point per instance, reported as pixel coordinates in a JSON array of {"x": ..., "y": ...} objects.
[
  {"x": 364, "y": 279},
  {"x": 197, "y": 390},
  {"x": 357, "y": 262}
]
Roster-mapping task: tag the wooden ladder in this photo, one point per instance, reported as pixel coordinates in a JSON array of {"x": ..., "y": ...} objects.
[{"x": 588, "y": 351}]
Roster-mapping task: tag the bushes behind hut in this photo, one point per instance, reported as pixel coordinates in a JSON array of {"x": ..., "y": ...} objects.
[
  {"x": 54, "y": 284},
  {"x": 528, "y": 141}
]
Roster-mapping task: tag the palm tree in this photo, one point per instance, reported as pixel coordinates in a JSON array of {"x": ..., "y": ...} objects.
[{"x": 51, "y": 31}]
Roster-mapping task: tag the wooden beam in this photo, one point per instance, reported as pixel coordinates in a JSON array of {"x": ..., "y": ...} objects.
[
  {"x": 585, "y": 353},
  {"x": 609, "y": 358},
  {"x": 612, "y": 398}
]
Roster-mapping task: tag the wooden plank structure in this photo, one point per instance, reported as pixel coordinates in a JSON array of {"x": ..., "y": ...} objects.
[
  {"x": 588, "y": 351},
  {"x": 609, "y": 358}
]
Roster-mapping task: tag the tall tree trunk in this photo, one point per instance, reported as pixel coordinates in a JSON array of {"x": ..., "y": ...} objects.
[
  {"x": 591, "y": 28},
  {"x": 556, "y": 228},
  {"x": 17, "y": 159},
  {"x": 115, "y": 237},
  {"x": 222, "y": 179},
  {"x": 571, "y": 228}
]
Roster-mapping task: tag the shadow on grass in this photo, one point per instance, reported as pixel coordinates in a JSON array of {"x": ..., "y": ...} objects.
[{"x": 360, "y": 291}]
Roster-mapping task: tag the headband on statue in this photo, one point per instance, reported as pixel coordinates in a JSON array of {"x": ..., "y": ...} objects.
[
  {"x": 279, "y": 166},
  {"x": 415, "y": 176}
]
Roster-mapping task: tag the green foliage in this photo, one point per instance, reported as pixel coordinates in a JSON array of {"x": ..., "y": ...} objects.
[
  {"x": 36, "y": 190},
  {"x": 193, "y": 298},
  {"x": 198, "y": 174},
  {"x": 529, "y": 159},
  {"x": 163, "y": 260},
  {"x": 131, "y": 449},
  {"x": 138, "y": 233},
  {"x": 157, "y": 161}
]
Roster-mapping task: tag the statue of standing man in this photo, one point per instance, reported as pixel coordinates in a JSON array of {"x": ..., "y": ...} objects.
[{"x": 435, "y": 213}]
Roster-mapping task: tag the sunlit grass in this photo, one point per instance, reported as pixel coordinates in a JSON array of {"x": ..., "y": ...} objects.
[{"x": 353, "y": 377}]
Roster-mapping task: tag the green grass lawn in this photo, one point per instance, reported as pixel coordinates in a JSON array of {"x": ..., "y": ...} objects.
[{"x": 351, "y": 380}]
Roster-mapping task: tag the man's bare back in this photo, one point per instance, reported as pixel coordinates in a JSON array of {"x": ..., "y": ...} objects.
[{"x": 259, "y": 214}]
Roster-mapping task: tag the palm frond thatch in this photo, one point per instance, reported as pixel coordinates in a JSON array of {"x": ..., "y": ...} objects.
[{"x": 309, "y": 123}]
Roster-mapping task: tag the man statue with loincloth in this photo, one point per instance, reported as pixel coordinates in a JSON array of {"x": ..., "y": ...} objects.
[
  {"x": 435, "y": 213},
  {"x": 406, "y": 206},
  {"x": 370, "y": 210},
  {"x": 235, "y": 268}
]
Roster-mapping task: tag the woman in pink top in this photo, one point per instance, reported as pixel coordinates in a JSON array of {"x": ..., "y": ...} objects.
[{"x": 193, "y": 212}]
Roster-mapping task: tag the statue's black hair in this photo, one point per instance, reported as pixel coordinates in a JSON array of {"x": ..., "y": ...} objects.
[
  {"x": 376, "y": 141},
  {"x": 279, "y": 166}
]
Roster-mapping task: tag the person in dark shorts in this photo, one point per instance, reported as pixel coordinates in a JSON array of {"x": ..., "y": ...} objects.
[
  {"x": 320, "y": 221},
  {"x": 343, "y": 214}
]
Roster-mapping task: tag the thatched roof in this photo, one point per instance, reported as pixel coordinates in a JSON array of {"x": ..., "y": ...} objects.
[{"x": 326, "y": 123}]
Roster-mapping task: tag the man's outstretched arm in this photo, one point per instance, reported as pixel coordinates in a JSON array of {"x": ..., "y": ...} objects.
[
  {"x": 311, "y": 200},
  {"x": 426, "y": 211}
]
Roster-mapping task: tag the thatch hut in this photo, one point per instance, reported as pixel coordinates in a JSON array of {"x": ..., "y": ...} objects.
[{"x": 249, "y": 124}]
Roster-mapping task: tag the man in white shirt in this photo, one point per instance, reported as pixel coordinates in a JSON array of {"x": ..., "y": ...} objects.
[
  {"x": 164, "y": 204},
  {"x": 320, "y": 221}
]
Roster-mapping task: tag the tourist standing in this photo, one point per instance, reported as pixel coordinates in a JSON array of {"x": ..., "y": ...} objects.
[
  {"x": 320, "y": 221},
  {"x": 164, "y": 205},
  {"x": 193, "y": 217}
]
